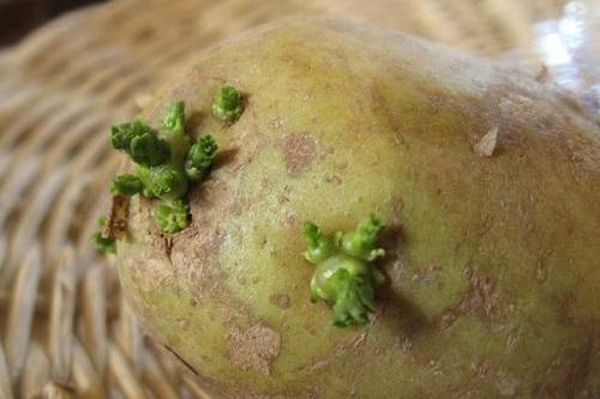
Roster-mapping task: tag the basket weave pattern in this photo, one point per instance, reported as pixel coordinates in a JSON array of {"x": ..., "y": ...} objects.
[{"x": 65, "y": 330}]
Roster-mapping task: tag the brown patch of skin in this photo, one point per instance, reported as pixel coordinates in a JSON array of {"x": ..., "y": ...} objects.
[
  {"x": 118, "y": 215},
  {"x": 483, "y": 299},
  {"x": 282, "y": 301},
  {"x": 256, "y": 348},
  {"x": 154, "y": 236},
  {"x": 299, "y": 151}
]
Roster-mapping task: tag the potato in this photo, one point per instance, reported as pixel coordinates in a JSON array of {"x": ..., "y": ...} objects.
[{"x": 490, "y": 186}]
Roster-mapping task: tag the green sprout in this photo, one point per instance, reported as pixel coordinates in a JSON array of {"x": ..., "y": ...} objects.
[
  {"x": 345, "y": 276},
  {"x": 228, "y": 103},
  {"x": 175, "y": 119},
  {"x": 172, "y": 216},
  {"x": 102, "y": 243},
  {"x": 361, "y": 242},
  {"x": 200, "y": 157},
  {"x": 148, "y": 150},
  {"x": 122, "y": 134},
  {"x": 126, "y": 185},
  {"x": 319, "y": 246},
  {"x": 166, "y": 182},
  {"x": 140, "y": 142},
  {"x": 168, "y": 161},
  {"x": 174, "y": 133}
]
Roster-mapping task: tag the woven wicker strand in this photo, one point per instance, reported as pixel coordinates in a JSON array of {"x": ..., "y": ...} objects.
[{"x": 66, "y": 332}]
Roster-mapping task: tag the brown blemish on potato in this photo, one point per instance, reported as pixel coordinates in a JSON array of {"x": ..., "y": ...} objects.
[
  {"x": 483, "y": 298},
  {"x": 282, "y": 301},
  {"x": 299, "y": 152},
  {"x": 256, "y": 348},
  {"x": 482, "y": 301},
  {"x": 118, "y": 215}
]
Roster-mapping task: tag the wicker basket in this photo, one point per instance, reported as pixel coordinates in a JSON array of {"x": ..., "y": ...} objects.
[{"x": 66, "y": 332}]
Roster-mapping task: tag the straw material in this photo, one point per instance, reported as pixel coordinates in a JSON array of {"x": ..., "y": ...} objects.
[{"x": 65, "y": 330}]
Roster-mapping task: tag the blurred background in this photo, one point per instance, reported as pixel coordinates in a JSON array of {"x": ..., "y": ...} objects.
[{"x": 17, "y": 17}]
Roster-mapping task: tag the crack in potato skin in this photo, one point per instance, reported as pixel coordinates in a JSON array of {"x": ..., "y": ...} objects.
[{"x": 503, "y": 247}]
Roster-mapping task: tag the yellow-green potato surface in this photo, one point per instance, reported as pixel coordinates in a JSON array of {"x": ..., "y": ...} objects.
[{"x": 490, "y": 186}]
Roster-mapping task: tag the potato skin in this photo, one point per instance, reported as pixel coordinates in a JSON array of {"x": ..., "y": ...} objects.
[{"x": 493, "y": 261}]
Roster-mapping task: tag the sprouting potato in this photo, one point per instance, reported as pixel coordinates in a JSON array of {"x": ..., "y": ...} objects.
[{"x": 485, "y": 277}]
